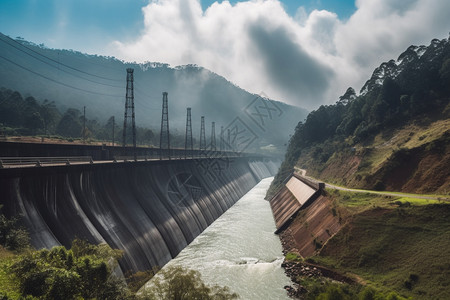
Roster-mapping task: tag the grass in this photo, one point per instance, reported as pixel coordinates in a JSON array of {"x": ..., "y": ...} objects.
[
  {"x": 293, "y": 257},
  {"x": 428, "y": 134},
  {"x": 416, "y": 201},
  {"x": 375, "y": 156},
  {"x": 404, "y": 249},
  {"x": 411, "y": 135},
  {"x": 398, "y": 194},
  {"x": 355, "y": 202}
]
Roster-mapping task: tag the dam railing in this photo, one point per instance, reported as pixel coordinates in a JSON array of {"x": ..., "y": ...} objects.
[
  {"x": 40, "y": 161},
  {"x": 27, "y": 162}
]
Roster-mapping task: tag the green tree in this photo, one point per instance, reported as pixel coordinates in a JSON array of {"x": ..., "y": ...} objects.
[
  {"x": 70, "y": 125},
  {"x": 12, "y": 236},
  {"x": 149, "y": 136},
  {"x": 50, "y": 116},
  {"x": 34, "y": 122},
  {"x": 84, "y": 271},
  {"x": 176, "y": 283}
]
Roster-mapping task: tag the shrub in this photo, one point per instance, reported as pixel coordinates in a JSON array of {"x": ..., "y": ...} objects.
[
  {"x": 379, "y": 186},
  {"x": 179, "y": 283},
  {"x": 12, "y": 236},
  {"x": 293, "y": 257},
  {"x": 84, "y": 271}
]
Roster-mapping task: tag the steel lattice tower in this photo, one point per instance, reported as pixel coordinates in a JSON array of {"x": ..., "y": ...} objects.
[
  {"x": 164, "y": 137},
  {"x": 213, "y": 136},
  {"x": 221, "y": 139},
  {"x": 129, "y": 103},
  {"x": 188, "y": 143},
  {"x": 202, "y": 135}
]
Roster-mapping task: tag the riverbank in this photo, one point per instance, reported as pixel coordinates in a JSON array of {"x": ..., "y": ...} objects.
[
  {"x": 239, "y": 250},
  {"x": 384, "y": 245},
  {"x": 297, "y": 269}
]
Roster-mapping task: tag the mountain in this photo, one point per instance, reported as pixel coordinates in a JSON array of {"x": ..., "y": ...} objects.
[
  {"x": 394, "y": 135},
  {"x": 73, "y": 80}
]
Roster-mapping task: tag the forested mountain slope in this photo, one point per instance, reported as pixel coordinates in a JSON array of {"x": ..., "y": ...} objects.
[
  {"x": 394, "y": 135},
  {"x": 73, "y": 80}
]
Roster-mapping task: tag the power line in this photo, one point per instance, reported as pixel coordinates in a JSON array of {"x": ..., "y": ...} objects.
[
  {"x": 60, "y": 63},
  {"x": 47, "y": 63},
  {"x": 55, "y": 81}
]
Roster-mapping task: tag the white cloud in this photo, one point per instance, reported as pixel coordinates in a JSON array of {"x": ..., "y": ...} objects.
[{"x": 308, "y": 60}]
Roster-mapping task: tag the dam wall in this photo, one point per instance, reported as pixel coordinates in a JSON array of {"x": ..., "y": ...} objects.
[
  {"x": 296, "y": 193},
  {"x": 304, "y": 216},
  {"x": 151, "y": 210},
  {"x": 96, "y": 152}
]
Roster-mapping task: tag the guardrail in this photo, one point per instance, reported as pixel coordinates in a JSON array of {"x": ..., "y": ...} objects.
[
  {"x": 40, "y": 161},
  {"x": 174, "y": 154},
  {"x": 183, "y": 157}
]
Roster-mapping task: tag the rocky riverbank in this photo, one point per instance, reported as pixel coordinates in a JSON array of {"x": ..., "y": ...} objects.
[{"x": 302, "y": 270}]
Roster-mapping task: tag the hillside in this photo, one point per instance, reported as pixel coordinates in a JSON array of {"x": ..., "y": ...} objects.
[
  {"x": 394, "y": 135},
  {"x": 387, "y": 246},
  {"x": 72, "y": 80}
]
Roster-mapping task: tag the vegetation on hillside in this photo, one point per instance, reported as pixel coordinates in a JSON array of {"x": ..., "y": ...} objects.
[
  {"x": 73, "y": 79},
  {"x": 392, "y": 244},
  {"x": 412, "y": 93},
  {"x": 85, "y": 271},
  {"x": 26, "y": 116},
  {"x": 322, "y": 289},
  {"x": 389, "y": 246}
]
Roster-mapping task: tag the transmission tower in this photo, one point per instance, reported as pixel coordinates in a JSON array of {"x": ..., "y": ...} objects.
[
  {"x": 221, "y": 139},
  {"x": 202, "y": 135},
  {"x": 129, "y": 104},
  {"x": 228, "y": 141},
  {"x": 164, "y": 138},
  {"x": 188, "y": 144},
  {"x": 213, "y": 136}
]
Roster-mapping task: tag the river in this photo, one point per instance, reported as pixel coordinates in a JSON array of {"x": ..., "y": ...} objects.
[{"x": 240, "y": 250}]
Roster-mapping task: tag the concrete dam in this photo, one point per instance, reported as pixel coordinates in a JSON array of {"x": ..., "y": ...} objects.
[{"x": 149, "y": 209}]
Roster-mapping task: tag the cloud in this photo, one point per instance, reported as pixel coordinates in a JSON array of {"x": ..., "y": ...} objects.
[
  {"x": 290, "y": 68},
  {"x": 307, "y": 60}
]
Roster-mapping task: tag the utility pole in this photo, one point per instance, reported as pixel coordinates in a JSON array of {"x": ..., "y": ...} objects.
[
  {"x": 84, "y": 124},
  {"x": 228, "y": 141},
  {"x": 213, "y": 136},
  {"x": 164, "y": 138},
  {"x": 188, "y": 143},
  {"x": 114, "y": 124}
]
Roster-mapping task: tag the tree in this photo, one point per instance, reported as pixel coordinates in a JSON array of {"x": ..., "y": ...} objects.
[
  {"x": 444, "y": 74},
  {"x": 70, "y": 125},
  {"x": 148, "y": 136},
  {"x": 83, "y": 271},
  {"x": 12, "y": 236},
  {"x": 176, "y": 283},
  {"x": 34, "y": 122},
  {"x": 50, "y": 115},
  {"x": 348, "y": 96}
]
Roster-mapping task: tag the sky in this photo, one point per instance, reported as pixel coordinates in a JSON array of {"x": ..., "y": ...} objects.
[{"x": 302, "y": 52}]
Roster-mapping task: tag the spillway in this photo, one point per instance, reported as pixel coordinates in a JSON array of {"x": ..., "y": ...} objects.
[
  {"x": 240, "y": 250},
  {"x": 151, "y": 210}
]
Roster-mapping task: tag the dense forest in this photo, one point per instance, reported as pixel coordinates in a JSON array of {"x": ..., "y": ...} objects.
[{"x": 416, "y": 87}]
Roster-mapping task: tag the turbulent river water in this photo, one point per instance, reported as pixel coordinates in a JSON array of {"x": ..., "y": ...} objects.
[{"x": 240, "y": 250}]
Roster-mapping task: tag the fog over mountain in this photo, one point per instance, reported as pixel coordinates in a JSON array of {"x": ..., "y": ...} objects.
[{"x": 73, "y": 79}]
